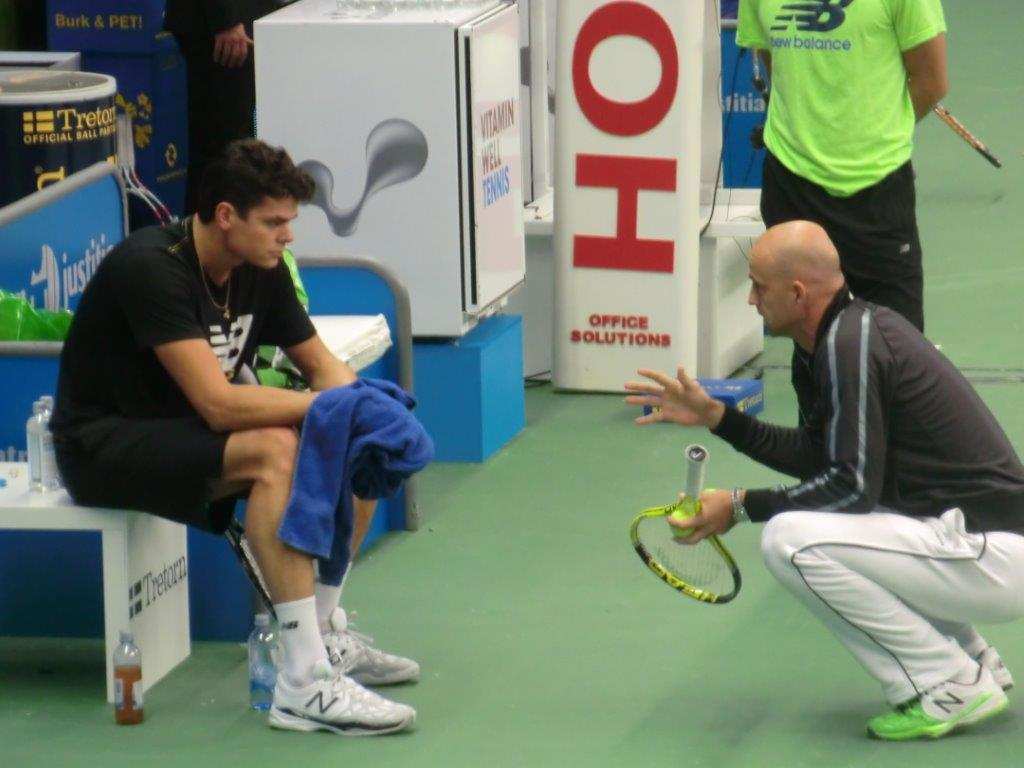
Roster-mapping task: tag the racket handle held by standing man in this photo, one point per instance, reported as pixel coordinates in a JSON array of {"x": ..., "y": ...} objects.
[{"x": 947, "y": 117}]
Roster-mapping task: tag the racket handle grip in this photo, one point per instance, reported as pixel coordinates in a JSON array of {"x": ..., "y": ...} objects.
[
  {"x": 990, "y": 157},
  {"x": 696, "y": 468}
]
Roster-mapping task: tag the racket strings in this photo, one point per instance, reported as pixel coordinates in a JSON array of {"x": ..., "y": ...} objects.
[{"x": 699, "y": 565}]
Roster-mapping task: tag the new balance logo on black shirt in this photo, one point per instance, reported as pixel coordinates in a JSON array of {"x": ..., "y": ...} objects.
[{"x": 228, "y": 347}]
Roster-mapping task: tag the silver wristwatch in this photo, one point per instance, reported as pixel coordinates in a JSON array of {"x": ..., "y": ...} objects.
[{"x": 739, "y": 512}]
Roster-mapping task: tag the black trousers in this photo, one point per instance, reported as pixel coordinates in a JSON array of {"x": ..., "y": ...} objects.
[
  {"x": 875, "y": 232},
  {"x": 221, "y": 104}
]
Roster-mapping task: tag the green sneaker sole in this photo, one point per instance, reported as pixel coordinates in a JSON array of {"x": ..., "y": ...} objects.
[{"x": 938, "y": 728}]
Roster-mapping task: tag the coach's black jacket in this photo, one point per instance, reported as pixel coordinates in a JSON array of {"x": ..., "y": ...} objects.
[
  {"x": 893, "y": 424},
  {"x": 199, "y": 19}
]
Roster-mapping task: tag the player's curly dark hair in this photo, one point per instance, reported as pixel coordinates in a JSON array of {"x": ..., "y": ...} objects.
[{"x": 248, "y": 172}]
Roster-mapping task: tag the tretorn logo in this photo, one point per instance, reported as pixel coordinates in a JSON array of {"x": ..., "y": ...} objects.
[
  {"x": 38, "y": 121},
  {"x": 814, "y": 16},
  {"x": 153, "y": 586},
  {"x": 65, "y": 125}
]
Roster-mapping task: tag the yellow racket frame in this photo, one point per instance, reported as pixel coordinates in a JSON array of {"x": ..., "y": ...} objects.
[{"x": 670, "y": 578}]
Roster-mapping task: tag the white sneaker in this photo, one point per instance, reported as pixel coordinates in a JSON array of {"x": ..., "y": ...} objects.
[
  {"x": 336, "y": 703},
  {"x": 989, "y": 658},
  {"x": 352, "y": 654}
]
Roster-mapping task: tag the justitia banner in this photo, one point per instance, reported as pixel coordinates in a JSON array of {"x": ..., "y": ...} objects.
[
  {"x": 627, "y": 189},
  {"x": 52, "y": 242}
]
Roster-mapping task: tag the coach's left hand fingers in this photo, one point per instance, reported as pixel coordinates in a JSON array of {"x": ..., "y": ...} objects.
[
  {"x": 686, "y": 523},
  {"x": 698, "y": 528},
  {"x": 698, "y": 535}
]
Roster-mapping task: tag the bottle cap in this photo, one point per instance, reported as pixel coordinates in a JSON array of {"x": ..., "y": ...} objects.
[
  {"x": 262, "y": 619},
  {"x": 126, "y": 638}
]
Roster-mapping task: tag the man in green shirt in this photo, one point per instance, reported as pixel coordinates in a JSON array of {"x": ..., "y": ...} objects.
[{"x": 850, "y": 78}]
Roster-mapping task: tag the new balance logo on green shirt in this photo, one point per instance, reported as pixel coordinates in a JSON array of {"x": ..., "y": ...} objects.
[{"x": 820, "y": 16}]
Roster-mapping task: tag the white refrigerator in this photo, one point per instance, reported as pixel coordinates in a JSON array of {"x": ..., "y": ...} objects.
[{"x": 409, "y": 123}]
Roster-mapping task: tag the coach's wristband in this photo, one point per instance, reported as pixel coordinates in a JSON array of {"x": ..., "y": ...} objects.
[{"x": 739, "y": 512}]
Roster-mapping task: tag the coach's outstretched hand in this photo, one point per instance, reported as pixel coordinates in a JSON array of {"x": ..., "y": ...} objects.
[{"x": 681, "y": 400}]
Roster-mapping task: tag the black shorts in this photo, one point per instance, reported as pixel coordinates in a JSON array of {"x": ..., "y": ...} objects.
[
  {"x": 874, "y": 230},
  {"x": 162, "y": 466}
]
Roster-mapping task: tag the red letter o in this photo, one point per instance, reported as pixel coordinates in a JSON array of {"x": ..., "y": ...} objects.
[{"x": 622, "y": 118}]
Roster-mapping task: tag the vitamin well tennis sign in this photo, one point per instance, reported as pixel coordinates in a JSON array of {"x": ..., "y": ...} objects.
[{"x": 627, "y": 189}]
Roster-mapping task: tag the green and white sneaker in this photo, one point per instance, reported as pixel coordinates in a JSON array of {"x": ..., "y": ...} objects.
[
  {"x": 938, "y": 711},
  {"x": 352, "y": 653}
]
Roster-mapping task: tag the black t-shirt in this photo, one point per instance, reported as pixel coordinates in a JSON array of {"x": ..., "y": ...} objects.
[{"x": 150, "y": 290}]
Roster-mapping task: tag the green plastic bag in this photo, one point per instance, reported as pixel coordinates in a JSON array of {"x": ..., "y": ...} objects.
[
  {"x": 20, "y": 321},
  {"x": 283, "y": 376}
]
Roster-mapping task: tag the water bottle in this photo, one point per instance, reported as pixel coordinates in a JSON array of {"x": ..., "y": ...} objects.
[
  {"x": 127, "y": 681},
  {"x": 49, "y": 476},
  {"x": 33, "y": 427},
  {"x": 262, "y": 669}
]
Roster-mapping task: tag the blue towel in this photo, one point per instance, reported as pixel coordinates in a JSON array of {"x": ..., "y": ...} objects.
[{"x": 359, "y": 439}]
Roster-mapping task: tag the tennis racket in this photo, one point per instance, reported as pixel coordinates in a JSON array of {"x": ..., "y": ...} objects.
[
  {"x": 946, "y": 116},
  {"x": 705, "y": 571},
  {"x": 235, "y": 534}
]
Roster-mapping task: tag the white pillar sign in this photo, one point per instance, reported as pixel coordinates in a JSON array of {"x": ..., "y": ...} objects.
[{"x": 627, "y": 188}]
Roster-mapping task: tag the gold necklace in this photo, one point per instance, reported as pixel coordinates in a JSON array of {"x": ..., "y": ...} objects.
[{"x": 224, "y": 308}]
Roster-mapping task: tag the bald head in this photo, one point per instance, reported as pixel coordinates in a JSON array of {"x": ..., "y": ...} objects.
[
  {"x": 799, "y": 250},
  {"x": 794, "y": 276}
]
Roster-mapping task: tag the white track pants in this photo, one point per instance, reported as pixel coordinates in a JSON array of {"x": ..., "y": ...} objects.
[{"x": 901, "y": 593}]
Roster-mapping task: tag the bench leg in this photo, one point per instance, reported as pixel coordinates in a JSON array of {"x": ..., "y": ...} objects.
[{"x": 115, "y": 596}]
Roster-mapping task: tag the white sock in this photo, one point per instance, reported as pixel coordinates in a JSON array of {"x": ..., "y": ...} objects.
[
  {"x": 328, "y": 597},
  {"x": 300, "y": 636}
]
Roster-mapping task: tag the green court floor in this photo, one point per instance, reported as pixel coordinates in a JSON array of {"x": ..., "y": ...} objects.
[{"x": 543, "y": 641}]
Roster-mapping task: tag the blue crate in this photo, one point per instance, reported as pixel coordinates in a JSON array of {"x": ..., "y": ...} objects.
[
  {"x": 745, "y": 395},
  {"x": 111, "y": 26},
  {"x": 470, "y": 389},
  {"x": 153, "y": 89}
]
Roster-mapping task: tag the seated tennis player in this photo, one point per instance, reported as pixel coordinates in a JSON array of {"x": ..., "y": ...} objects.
[
  {"x": 906, "y": 526},
  {"x": 147, "y": 416}
]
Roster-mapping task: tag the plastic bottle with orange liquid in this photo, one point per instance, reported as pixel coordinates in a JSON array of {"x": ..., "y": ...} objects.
[{"x": 127, "y": 682}]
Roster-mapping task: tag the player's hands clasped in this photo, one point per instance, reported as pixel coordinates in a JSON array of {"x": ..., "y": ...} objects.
[
  {"x": 715, "y": 517},
  {"x": 681, "y": 400}
]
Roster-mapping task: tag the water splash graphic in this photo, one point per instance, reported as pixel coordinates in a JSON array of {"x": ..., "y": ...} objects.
[{"x": 396, "y": 152}]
